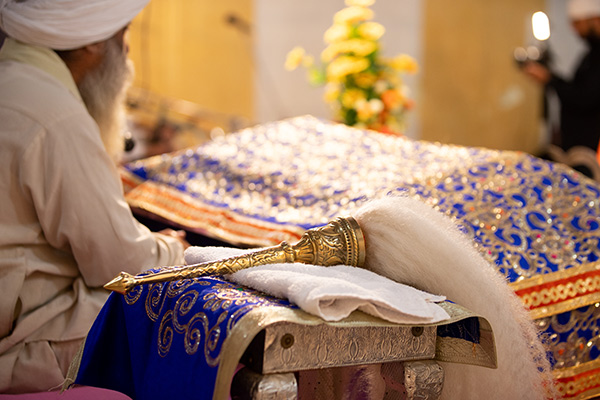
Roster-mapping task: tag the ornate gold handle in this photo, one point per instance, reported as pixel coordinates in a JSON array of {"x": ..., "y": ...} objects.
[{"x": 339, "y": 242}]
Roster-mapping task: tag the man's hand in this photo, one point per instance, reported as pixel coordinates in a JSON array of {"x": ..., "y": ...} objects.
[
  {"x": 537, "y": 72},
  {"x": 179, "y": 235}
]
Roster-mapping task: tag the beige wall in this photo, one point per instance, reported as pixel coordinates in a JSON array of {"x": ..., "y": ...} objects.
[
  {"x": 468, "y": 90},
  {"x": 471, "y": 92},
  {"x": 185, "y": 49}
]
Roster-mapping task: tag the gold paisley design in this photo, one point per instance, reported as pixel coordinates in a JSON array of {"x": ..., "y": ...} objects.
[
  {"x": 573, "y": 338},
  {"x": 221, "y": 306}
]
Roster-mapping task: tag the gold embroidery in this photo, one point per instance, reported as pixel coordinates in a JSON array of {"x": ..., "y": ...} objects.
[
  {"x": 219, "y": 300},
  {"x": 574, "y": 349},
  {"x": 528, "y": 217},
  {"x": 554, "y": 276},
  {"x": 579, "y": 382},
  {"x": 560, "y": 291}
]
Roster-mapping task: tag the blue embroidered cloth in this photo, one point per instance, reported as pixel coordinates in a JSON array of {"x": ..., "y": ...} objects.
[
  {"x": 538, "y": 222},
  {"x": 165, "y": 340}
]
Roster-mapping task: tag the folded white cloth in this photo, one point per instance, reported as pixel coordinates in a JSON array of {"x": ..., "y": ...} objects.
[{"x": 332, "y": 293}]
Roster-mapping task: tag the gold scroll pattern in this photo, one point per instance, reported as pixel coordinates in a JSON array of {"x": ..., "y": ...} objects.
[
  {"x": 523, "y": 222},
  {"x": 196, "y": 329},
  {"x": 575, "y": 349},
  {"x": 528, "y": 216}
]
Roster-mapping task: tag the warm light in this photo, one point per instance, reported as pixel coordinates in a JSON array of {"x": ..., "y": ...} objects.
[{"x": 541, "y": 25}]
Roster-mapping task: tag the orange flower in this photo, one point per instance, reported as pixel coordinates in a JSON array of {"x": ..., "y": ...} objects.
[{"x": 392, "y": 99}]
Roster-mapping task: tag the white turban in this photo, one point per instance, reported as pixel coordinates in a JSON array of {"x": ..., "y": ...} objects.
[
  {"x": 66, "y": 24},
  {"x": 583, "y": 9}
]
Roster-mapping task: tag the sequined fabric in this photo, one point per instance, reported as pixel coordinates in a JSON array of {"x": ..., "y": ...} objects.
[{"x": 536, "y": 221}]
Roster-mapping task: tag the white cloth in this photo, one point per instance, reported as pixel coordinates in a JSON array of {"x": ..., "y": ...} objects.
[
  {"x": 65, "y": 228},
  {"x": 66, "y": 24},
  {"x": 583, "y": 9},
  {"x": 332, "y": 293}
]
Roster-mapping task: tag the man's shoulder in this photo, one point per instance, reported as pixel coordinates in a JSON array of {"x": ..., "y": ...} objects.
[{"x": 26, "y": 90}]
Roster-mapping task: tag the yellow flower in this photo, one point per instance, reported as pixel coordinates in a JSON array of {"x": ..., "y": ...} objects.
[
  {"x": 332, "y": 92},
  {"x": 346, "y": 65},
  {"x": 363, "y": 111},
  {"x": 308, "y": 61},
  {"x": 376, "y": 105},
  {"x": 404, "y": 63},
  {"x": 294, "y": 58},
  {"x": 368, "y": 109},
  {"x": 380, "y": 86},
  {"x": 361, "y": 3},
  {"x": 353, "y": 71},
  {"x": 336, "y": 33},
  {"x": 352, "y": 97},
  {"x": 353, "y": 14},
  {"x": 371, "y": 30},
  {"x": 365, "y": 79},
  {"x": 356, "y": 47}
]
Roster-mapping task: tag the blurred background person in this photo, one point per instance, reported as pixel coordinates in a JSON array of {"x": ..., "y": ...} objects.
[{"x": 579, "y": 97}]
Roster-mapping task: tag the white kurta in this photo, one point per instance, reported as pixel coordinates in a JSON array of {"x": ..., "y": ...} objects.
[{"x": 65, "y": 228}]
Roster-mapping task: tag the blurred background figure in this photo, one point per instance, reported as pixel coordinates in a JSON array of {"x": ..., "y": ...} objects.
[{"x": 579, "y": 128}]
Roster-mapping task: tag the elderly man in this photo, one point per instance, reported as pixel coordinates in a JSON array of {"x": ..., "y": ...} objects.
[
  {"x": 65, "y": 228},
  {"x": 580, "y": 96}
]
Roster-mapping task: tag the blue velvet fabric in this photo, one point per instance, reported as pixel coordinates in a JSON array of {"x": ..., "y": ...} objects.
[{"x": 163, "y": 341}]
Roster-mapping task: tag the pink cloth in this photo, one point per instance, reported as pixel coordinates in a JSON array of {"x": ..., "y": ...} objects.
[{"x": 76, "y": 393}]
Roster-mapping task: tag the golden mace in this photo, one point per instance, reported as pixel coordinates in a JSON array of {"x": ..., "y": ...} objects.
[{"x": 340, "y": 242}]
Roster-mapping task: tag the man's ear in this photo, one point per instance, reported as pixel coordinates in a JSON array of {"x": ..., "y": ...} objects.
[
  {"x": 94, "y": 51},
  {"x": 84, "y": 59},
  {"x": 596, "y": 25},
  {"x": 93, "y": 54}
]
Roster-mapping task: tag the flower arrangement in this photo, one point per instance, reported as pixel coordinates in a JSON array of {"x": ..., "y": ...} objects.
[{"x": 364, "y": 89}]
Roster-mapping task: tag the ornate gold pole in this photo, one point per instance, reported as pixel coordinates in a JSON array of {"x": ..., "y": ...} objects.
[{"x": 340, "y": 242}]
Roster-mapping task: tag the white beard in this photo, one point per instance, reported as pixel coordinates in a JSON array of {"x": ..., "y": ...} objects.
[
  {"x": 103, "y": 91},
  {"x": 409, "y": 242}
]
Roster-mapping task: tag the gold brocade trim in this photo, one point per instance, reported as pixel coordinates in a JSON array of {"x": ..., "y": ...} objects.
[
  {"x": 221, "y": 223},
  {"x": 560, "y": 291},
  {"x": 580, "y": 382},
  {"x": 73, "y": 368},
  {"x": 460, "y": 351},
  {"x": 565, "y": 306},
  {"x": 554, "y": 276}
]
